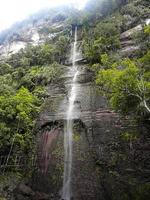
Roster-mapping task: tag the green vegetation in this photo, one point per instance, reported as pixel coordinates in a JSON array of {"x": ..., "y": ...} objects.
[
  {"x": 41, "y": 55},
  {"x": 40, "y": 76},
  {"x": 17, "y": 113},
  {"x": 24, "y": 78},
  {"x": 22, "y": 93},
  {"x": 123, "y": 80},
  {"x": 103, "y": 38},
  {"x": 127, "y": 85},
  {"x": 23, "y": 81}
]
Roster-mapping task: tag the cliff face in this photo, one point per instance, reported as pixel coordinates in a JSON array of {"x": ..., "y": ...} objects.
[
  {"x": 87, "y": 104},
  {"x": 110, "y": 152},
  {"x": 36, "y": 30},
  {"x": 30, "y": 36}
]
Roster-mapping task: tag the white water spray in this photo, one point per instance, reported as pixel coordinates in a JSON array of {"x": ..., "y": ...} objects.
[{"x": 69, "y": 127}]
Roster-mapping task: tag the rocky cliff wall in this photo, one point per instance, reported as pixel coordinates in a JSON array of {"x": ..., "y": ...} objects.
[{"x": 108, "y": 151}]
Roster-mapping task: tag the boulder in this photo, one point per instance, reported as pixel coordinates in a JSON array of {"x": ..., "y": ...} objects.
[
  {"x": 128, "y": 34},
  {"x": 24, "y": 190},
  {"x": 41, "y": 196}
]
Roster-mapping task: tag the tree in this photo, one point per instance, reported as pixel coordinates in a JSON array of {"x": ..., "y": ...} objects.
[
  {"x": 105, "y": 38},
  {"x": 34, "y": 55},
  {"x": 147, "y": 30},
  {"x": 40, "y": 76},
  {"x": 5, "y": 68},
  {"x": 126, "y": 87},
  {"x": 17, "y": 118},
  {"x": 62, "y": 48}
]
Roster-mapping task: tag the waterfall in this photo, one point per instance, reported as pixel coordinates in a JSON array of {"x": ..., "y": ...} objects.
[{"x": 68, "y": 135}]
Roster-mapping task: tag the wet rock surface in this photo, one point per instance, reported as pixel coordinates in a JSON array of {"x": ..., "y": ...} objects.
[
  {"x": 24, "y": 192},
  {"x": 110, "y": 153},
  {"x": 107, "y": 154}
]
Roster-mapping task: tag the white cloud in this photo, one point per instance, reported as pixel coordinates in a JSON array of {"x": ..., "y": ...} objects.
[{"x": 16, "y": 10}]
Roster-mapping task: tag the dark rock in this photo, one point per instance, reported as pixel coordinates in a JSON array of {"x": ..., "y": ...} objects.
[
  {"x": 41, "y": 196},
  {"x": 21, "y": 197},
  {"x": 130, "y": 49},
  {"x": 127, "y": 43},
  {"x": 24, "y": 190}
]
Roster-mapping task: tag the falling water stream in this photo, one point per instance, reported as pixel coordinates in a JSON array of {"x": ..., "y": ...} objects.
[{"x": 66, "y": 193}]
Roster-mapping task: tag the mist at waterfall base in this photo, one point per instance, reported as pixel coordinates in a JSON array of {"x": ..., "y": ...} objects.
[{"x": 68, "y": 133}]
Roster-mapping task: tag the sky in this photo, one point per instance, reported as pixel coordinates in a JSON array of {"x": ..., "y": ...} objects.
[{"x": 12, "y": 11}]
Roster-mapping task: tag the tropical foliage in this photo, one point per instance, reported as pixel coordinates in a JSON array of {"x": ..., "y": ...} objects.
[
  {"x": 22, "y": 92},
  {"x": 127, "y": 85}
]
